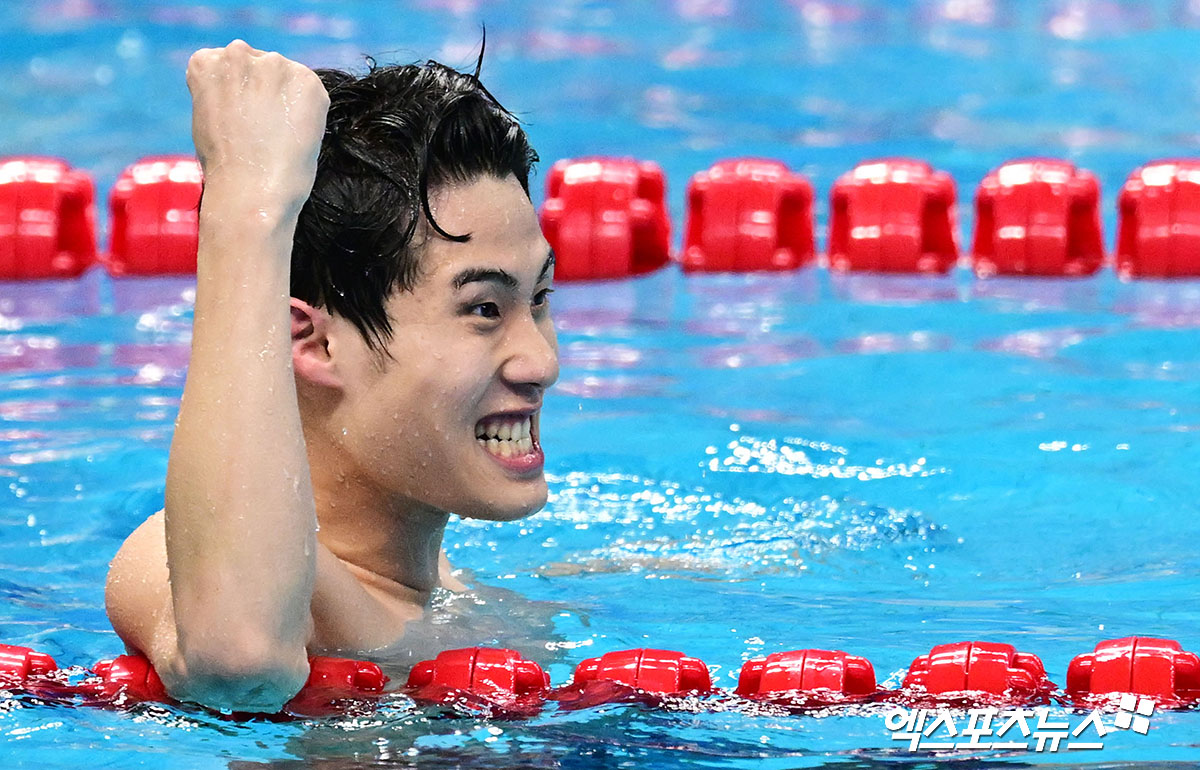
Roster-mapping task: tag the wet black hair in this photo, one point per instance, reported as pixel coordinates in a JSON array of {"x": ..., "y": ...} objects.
[{"x": 392, "y": 136}]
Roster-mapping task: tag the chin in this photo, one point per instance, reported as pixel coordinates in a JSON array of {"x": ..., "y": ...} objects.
[{"x": 505, "y": 508}]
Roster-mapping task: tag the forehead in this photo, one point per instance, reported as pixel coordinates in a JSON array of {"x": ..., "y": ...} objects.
[{"x": 500, "y": 220}]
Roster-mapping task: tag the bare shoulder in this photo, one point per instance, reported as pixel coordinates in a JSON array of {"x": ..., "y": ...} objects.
[
  {"x": 138, "y": 592},
  {"x": 350, "y": 613}
]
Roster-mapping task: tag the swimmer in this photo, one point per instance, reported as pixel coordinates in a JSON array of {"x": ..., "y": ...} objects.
[{"x": 371, "y": 343}]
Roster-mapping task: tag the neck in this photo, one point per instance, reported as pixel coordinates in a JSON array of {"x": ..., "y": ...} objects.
[{"x": 392, "y": 542}]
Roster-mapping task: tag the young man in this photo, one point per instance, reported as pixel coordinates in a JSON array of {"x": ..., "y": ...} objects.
[{"x": 372, "y": 340}]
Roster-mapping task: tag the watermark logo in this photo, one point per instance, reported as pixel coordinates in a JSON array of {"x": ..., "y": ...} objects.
[
  {"x": 1016, "y": 728},
  {"x": 1134, "y": 713}
]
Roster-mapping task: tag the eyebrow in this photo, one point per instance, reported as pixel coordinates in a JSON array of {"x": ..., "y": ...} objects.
[{"x": 497, "y": 275}]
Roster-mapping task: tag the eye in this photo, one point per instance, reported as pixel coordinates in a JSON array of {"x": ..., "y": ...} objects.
[
  {"x": 486, "y": 310},
  {"x": 542, "y": 298}
]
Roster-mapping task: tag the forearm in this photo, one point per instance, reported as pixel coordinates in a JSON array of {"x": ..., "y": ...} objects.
[{"x": 240, "y": 518}]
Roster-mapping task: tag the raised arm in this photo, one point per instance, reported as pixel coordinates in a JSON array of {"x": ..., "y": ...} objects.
[{"x": 240, "y": 522}]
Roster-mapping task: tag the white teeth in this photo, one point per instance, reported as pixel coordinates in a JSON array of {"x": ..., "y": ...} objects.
[
  {"x": 505, "y": 431},
  {"x": 509, "y": 438}
]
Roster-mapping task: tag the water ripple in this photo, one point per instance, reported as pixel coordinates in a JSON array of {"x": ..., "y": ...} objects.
[
  {"x": 800, "y": 457},
  {"x": 619, "y": 522}
]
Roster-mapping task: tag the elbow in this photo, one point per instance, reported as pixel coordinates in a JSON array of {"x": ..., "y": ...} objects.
[{"x": 238, "y": 674}]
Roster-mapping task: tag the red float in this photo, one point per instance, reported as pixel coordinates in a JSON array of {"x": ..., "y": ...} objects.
[
  {"x": 748, "y": 214},
  {"x": 894, "y": 216},
  {"x": 499, "y": 675},
  {"x": 1038, "y": 217},
  {"x": 332, "y": 682},
  {"x": 606, "y": 218},
  {"x": 19, "y": 664},
  {"x": 47, "y": 219},
  {"x": 979, "y": 667},
  {"x": 654, "y": 671},
  {"x": 807, "y": 671},
  {"x": 1158, "y": 232},
  {"x": 1136, "y": 664},
  {"x": 131, "y": 675},
  {"x": 345, "y": 674},
  {"x": 155, "y": 208}
]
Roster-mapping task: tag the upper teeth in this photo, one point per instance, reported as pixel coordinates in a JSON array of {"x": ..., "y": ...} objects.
[{"x": 504, "y": 429}]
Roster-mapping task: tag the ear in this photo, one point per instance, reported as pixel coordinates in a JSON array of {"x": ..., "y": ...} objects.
[{"x": 311, "y": 357}]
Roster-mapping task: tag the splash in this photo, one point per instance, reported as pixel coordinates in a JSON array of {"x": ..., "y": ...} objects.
[{"x": 801, "y": 457}]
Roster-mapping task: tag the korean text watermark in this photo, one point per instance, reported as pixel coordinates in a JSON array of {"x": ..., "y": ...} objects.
[{"x": 1033, "y": 729}]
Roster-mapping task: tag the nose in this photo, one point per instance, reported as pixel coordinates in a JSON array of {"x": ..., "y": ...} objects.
[{"x": 531, "y": 355}]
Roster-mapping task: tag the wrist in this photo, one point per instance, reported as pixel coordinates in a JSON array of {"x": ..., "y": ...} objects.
[
  {"x": 249, "y": 210},
  {"x": 245, "y": 232},
  {"x": 253, "y": 197}
]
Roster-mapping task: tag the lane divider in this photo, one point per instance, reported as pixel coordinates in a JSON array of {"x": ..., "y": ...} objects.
[
  {"x": 154, "y": 209},
  {"x": 334, "y": 685},
  {"x": 748, "y": 214},
  {"x": 997, "y": 671},
  {"x": 808, "y": 678},
  {"x": 1142, "y": 665},
  {"x": 503, "y": 683},
  {"x": 1158, "y": 233},
  {"x": 892, "y": 216},
  {"x": 1038, "y": 217},
  {"x": 47, "y": 219},
  {"x": 607, "y": 218}
]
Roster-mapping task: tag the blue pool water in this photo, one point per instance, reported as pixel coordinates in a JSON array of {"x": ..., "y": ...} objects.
[{"x": 738, "y": 465}]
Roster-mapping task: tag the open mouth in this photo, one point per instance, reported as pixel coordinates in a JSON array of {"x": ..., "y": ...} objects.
[{"x": 507, "y": 436}]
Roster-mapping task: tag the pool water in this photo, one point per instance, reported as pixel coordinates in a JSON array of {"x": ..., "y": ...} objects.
[{"x": 738, "y": 464}]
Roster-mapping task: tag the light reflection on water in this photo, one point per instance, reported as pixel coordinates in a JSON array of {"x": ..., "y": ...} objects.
[{"x": 869, "y": 522}]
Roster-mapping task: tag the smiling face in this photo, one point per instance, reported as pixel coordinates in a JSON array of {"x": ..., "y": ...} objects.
[{"x": 450, "y": 417}]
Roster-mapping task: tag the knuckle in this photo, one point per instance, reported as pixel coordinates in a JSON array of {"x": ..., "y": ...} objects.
[
  {"x": 200, "y": 59},
  {"x": 313, "y": 82}
]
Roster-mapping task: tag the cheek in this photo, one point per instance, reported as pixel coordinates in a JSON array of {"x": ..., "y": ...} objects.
[{"x": 426, "y": 403}]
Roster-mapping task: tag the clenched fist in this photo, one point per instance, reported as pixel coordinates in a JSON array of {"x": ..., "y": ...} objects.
[{"x": 257, "y": 122}]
